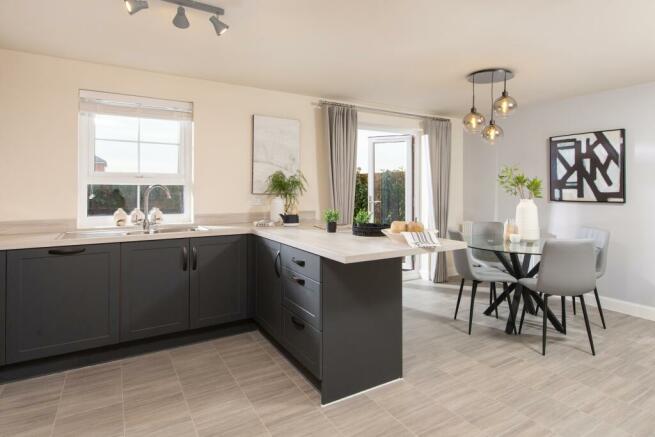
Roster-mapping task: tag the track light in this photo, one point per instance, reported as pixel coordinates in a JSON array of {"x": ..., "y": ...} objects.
[
  {"x": 134, "y": 6},
  {"x": 180, "y": 20},
  {"x": 219, "y": 26}
]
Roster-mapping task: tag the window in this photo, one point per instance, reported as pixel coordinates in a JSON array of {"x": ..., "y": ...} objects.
[{"x": 126, "y": 144}]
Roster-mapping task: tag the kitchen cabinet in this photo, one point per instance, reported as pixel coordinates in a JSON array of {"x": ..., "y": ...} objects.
[
  {"x": 219, "y": 274},
  {"x": 3, "y": 301},
  {"x": 61, "y": 299},
  {"x": 268, "y": 286},
  {"x": 154, "y": 288}
]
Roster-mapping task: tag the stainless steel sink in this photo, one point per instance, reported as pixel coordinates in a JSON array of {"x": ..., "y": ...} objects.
[{"x": 108, "y": 233}]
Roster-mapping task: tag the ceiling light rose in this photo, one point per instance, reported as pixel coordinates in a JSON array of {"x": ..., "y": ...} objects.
[
  {"x": 492, "y": 132},
  {"x": 134, "y": 6},
  {"x": 180, "y": 20}
]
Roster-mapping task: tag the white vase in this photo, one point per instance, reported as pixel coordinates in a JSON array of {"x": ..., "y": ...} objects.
[
  {"x": 527, "y": 220},
  {"x": 277, "y": 208}
]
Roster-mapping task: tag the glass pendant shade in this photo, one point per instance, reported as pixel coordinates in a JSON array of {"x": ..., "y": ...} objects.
[
  {"x": 492, "y": 132},
  {"x": 505, "y": 105},
  {"x": 473, "y": 121}
]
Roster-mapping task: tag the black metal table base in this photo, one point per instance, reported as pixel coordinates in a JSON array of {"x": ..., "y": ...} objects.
[{"x": 530, "y": 298}]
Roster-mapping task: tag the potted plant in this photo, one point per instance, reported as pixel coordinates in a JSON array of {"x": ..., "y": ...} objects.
[
  {"x": 363, "y": 228},
  {"x": 331, "y": 217},
  {"x": 289, "y": 188},
  {"x": 516, "y": 183}
]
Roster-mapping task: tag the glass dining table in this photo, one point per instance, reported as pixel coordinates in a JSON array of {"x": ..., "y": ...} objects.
[{"x": 516, "y": 259}]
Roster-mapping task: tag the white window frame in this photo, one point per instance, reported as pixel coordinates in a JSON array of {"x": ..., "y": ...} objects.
[{"x": 88, "y": 176}]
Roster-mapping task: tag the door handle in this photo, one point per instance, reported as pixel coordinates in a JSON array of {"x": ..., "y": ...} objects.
[
  {"x": 297, "y": 322},
  {"x": 300, "y": 262},
  {"x": 277, "y": 270},
  {"x": 72, "y": 251},
  {"x": 298, "y": 280},
  {"x": 194, "y": 255},
  {"x": 185, "y": 258}
]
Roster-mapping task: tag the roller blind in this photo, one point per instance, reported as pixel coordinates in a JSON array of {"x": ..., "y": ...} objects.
[{"x": 94, "y": 102}]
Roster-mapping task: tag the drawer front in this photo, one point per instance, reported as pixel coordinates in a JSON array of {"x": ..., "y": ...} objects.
[
  {"x": 302, "y": 262},
  {"x": 302, "y": 297},
  {"x": 303, "y": 342}
]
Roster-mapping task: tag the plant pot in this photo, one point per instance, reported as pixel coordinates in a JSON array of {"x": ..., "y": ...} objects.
[
  {"x": 332, "y": 227},
  {"x": 290, "y": 219},
  {"x": 277, "y": 209},
  {"x": 527, "y": 220},
  {"x": 369, "y": 229}
]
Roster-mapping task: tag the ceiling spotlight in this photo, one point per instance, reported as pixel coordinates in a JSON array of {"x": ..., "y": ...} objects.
[
  {"x": 219, "y": 26},
  {"x": 180, "y": 20},
  {"x": 134, "y": 6}
]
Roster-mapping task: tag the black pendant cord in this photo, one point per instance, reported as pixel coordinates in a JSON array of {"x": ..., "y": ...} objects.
[
  {"x": 473, "y": 82},
  {"x": 492, "y": 99},
  {"x": 505, "y": 83}
]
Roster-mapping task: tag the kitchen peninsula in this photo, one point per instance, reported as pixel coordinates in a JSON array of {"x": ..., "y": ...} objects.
[{"x": 332, "y": 301}]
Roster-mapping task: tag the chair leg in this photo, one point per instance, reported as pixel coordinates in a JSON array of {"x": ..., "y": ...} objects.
[
  {"x": 491, "y": 293},
  {"x": 495, "y": 296},
  {"x": 536, "y": 310},
  {"x": 473, "y": 290},
  {"x": 586, "y": 322},
  {"x": 459, "y": 298},
  {"x": 573, "y": 300},
  {"x": 522, "y": 318},
  {"x": 543, "y": 335},
  {"x": 509, "y": 306},
  {"x": 600, "y": 309},
  {"x": 564, "y": 314}
]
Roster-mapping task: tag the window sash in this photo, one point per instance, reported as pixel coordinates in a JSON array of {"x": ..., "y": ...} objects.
[{"x": 88, "y": 176}]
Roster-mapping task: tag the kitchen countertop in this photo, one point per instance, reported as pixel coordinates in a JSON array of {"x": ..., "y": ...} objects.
[{"x": 341, "y": 246}]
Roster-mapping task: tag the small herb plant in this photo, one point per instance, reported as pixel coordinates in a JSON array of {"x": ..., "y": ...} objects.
[
  {"x": 516, "y": 183},
  {"x": 362, "y": 217},
  {"x": 289, "y": 188},
  {"x": 331, "y": 215}
]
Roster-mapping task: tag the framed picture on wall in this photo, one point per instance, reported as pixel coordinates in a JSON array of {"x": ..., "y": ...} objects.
[
  {"x": 275, "y": 146},
  {"x": 588, "y": 167}
]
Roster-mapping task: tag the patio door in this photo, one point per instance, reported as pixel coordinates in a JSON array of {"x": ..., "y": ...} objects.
[{"x": 391, "y": 181}]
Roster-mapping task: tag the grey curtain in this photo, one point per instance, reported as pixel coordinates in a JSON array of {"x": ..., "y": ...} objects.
[
  {"x": 340, "y": 126},
  {"x": 439, "y": 144}
]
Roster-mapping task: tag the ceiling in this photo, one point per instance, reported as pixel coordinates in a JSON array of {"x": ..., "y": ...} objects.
[{"x": 405, "y": 54}]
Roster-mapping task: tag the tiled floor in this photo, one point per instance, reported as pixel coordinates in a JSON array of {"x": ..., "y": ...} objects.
[{"x": 488, "y": 384}]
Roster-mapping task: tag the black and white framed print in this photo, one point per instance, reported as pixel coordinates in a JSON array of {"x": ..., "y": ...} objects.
[{"x": 588, "y": 167}]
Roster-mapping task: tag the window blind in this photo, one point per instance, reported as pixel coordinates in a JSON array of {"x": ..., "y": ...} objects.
[{"x": 94, "y": 102}]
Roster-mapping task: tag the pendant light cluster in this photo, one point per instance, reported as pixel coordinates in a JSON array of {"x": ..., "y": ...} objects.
[
  {"x": 180, "y": 20},
  {"x": 502, "y": 107}
]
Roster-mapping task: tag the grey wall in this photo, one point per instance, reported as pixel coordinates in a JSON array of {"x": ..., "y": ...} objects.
[{"x": 631, "y": 264}]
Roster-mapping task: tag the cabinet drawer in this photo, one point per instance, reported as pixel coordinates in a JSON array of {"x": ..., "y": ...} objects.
[
  {"x": 302, "y": 296},
  {"x": 302, "y": 341},
  {"x": 302, "y": 262}
]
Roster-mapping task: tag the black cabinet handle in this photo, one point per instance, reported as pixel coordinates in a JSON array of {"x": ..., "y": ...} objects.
[
  {"x": 297, "y": 322},
  {"x": 300, "y": 262},
  {"x": 185, "y": 258},
  {"x": 277, "y": 257},
  {"x": 72, "y": 251},
  {"x": 194, "y": 254},
  {"x": 298, "y": 280}
]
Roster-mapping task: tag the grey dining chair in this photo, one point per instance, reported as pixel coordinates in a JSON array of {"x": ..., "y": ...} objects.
[
  {"x": 568, "y": 268},
  {"x": 489, "y": 231},
  {"x": 466, "y": 268},
  {"x": 601, "y": 240}
]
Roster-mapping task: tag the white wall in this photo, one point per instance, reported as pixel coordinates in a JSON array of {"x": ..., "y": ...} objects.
[
  {"x": 38, "y": 133},
  {"x": 38, "y": 136},
  {"x": 629, "y": 276}
]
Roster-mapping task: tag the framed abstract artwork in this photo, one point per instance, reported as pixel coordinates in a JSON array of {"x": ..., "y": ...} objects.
[
  {"x": 275, "y": 146},
  {"x": 588, "y": 167}
]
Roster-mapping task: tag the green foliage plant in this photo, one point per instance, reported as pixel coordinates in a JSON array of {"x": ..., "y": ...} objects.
[
  {"x": 516, "y": 183},
  {"x": 289, "y": 188}
]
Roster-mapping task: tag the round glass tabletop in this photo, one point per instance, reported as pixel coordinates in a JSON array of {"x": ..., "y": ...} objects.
[{"x": 483, "y": 242}]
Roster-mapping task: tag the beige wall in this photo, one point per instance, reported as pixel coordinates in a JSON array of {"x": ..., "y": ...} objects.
[{"x": 38, "y": 136}]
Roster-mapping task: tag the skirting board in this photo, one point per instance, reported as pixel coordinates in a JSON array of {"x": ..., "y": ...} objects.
[{"x": 608, "y": 303}]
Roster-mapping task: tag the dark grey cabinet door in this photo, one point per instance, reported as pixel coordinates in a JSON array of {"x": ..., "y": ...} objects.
[
  {"x": 154, "y": 288},
  {"x": 61, "y": 300},
  {"x": 218, "y": 279},
  {"x": 3, "y": 300},
  {"x": 268, "y": 286}
]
